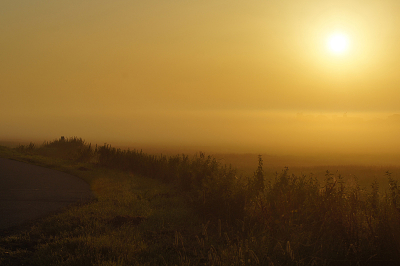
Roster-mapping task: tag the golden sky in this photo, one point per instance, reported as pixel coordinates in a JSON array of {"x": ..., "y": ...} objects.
[{"x": 212, "y": 73}]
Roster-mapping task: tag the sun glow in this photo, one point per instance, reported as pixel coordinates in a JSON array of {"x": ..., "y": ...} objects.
[{"x": 338, "y": 43}]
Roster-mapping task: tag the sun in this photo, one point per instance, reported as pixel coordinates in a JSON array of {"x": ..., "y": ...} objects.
[{"x": 338, "y": 43}]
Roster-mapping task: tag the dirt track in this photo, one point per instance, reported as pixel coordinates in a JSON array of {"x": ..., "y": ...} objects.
[{"x": 28, "y": 192}]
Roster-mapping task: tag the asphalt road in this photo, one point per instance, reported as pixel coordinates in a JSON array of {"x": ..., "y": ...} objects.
[{"x": 28, "y": 192}]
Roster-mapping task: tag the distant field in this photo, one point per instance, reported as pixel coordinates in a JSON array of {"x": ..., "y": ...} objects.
[
  {"x": 361, "y": 167},
  {"x": 365, "y": 167}
]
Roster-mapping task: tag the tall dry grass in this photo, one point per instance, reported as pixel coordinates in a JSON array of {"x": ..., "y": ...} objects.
[{"x": 249, "y": 220}]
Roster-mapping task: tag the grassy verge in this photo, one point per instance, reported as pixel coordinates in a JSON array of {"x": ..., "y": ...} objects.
[{"x": 133, "y": 221}]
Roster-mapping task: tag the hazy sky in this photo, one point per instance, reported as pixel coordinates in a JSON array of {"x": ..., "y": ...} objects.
[{"x": 250, "y": 74}]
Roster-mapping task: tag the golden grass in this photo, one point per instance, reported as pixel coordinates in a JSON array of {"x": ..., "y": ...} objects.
[{"x": 196, "y": 212}]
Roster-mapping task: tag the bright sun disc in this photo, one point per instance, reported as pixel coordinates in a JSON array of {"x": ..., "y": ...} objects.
[{"x": 338, "y": 43}]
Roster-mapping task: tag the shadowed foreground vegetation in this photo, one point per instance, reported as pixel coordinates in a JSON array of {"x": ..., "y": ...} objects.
[{"x": 181, "y": 210}]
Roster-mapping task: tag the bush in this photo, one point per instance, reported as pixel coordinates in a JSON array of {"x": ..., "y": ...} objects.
[{"x": 74, "y": 148}]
